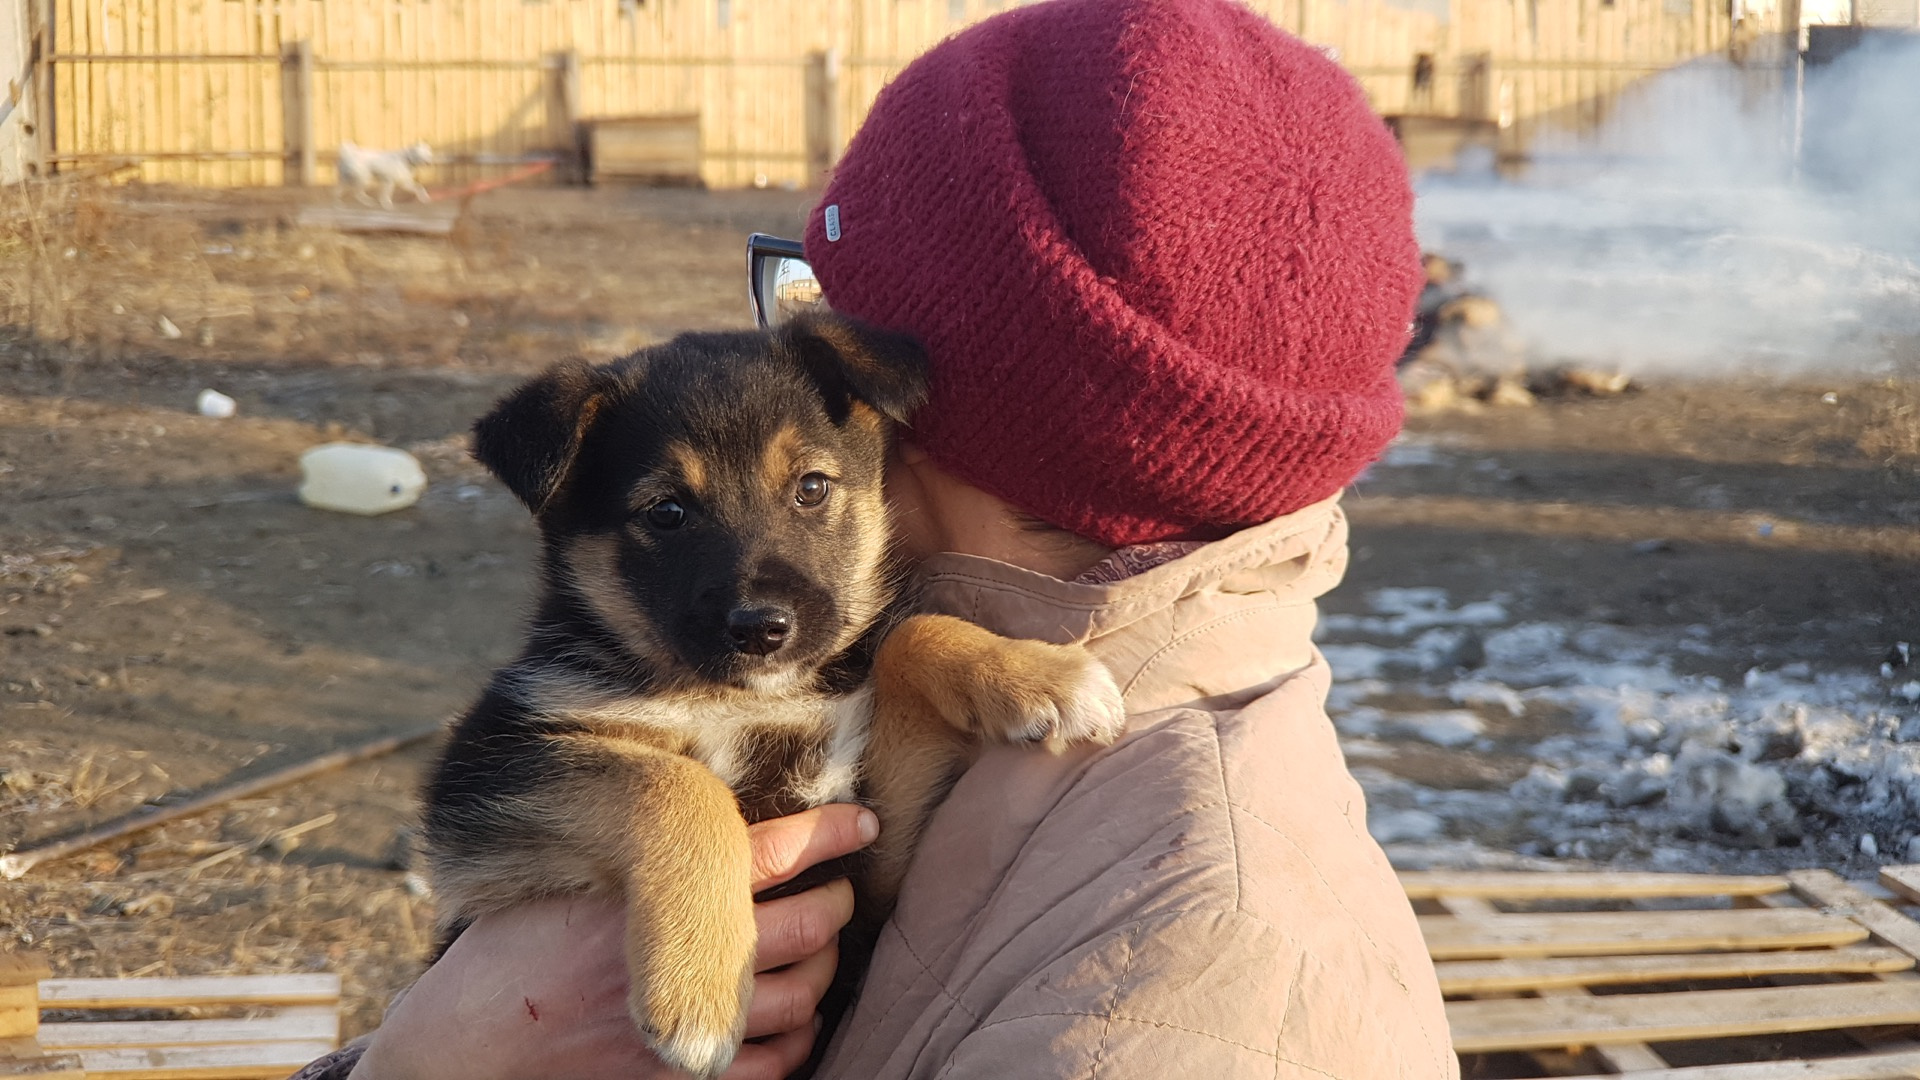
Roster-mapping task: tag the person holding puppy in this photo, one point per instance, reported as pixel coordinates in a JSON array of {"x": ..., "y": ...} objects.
[{"x": 1161, "y": 258}]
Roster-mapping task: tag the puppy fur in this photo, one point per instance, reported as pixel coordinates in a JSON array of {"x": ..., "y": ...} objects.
[{"x": 717, "y": 641}]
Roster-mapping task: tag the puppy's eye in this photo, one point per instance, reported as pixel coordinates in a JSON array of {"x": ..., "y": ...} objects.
[
  {"x": 812, "y": 490},
  {"x": 666, "y": 514}
]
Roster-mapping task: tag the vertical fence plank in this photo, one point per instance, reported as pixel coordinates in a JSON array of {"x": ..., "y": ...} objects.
[
  {"x": 823, "y": 114},
  {"x": 303, "y": 157},
  {"x": 564, "y": 117},
  {"x": 45, "y": 105}
]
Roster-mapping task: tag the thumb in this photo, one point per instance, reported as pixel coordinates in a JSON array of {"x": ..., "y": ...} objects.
[{"x": 783, "y": 847}]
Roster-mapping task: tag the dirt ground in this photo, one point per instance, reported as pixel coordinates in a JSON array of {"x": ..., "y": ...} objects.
[{"x": 172, "y": 619}]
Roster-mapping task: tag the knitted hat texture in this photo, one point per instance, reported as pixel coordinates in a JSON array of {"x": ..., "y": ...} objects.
[{"x": 1161, "y": 255}]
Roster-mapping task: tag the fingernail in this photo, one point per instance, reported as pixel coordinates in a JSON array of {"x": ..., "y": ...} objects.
[{"x": 869, "y": 827}]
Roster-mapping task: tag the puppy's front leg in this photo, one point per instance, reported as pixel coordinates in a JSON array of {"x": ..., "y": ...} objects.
[
  {"x": 942, "y": 687},
  {"x": 690, "y": 931},
  {"x": 620, "y": 816}
]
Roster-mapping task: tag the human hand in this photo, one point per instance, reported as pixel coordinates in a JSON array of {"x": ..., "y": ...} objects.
[{"x": 540, "y": 992}]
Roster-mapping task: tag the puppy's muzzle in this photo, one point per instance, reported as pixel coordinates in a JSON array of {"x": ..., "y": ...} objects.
[{"x": 759, "y": 631}]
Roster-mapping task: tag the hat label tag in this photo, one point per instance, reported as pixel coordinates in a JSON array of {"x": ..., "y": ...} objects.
[{"x": 833, "y": 223}]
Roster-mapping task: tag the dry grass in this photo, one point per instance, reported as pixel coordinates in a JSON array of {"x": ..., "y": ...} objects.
[
  {"x": 221, "y": 893},
  {"x": 36, "y": 221}
]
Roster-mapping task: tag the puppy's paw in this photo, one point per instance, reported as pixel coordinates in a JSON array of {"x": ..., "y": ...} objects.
[
  {"x": 1089, "y": 712},
  {"x": 1056, "y": 694},
  {"x": 692, "y": 977},
  {"x": 694, "y": 1020}
]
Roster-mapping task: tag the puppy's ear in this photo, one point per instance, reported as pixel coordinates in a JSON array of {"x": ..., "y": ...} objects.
[
  {"x": 852, "y": 361},
  {"x": 532, "y": 436}
]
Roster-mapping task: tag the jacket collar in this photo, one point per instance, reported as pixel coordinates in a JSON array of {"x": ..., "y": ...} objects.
[{"x": 1262, "y": 580}]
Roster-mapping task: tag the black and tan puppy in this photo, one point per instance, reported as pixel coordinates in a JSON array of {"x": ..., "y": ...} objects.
[{"x": 714, "y": 644}]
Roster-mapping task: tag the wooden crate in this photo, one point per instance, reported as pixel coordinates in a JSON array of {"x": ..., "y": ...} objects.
[
  {"x": 20, "y": 1051},
  {"x": 656, "y": 148},
  {"x": 1436, "y": 142},
  {"x": 1676, "y": 976},
  {"x": 288, "y": 1021}
]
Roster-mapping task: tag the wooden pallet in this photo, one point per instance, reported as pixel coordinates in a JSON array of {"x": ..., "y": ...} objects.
[
  {"x": 287, "y": 1021},
  {"x": 1676, "y": 976}
]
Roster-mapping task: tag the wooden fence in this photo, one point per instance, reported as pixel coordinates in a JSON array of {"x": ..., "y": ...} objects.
[{"x": 238, "y": 92}]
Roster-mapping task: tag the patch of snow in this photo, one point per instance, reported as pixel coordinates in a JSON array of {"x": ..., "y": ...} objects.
[
  {"x": 1407, "y": 453},
  {"x": 1401, "y": 826},
  {"x": 1356, "y": 661},
  {"x": 1631, "y": 760},
  {"x": 1452, "y": 728},
  {"x": 1484, "y": 693}
]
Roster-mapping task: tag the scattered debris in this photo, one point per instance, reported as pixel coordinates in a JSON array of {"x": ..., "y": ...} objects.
[
  {"x": 1471, "y": 310},
  {"x": 213, "y": 403},
  {"x": 1593, "y": 381},
  {"x": 1511, "y": 392},
  {"x": 168, "y": 330},
  {"x": 1453, "y": 320},
  {"x": 1434, "y": 383},
  {"x": 1899, "y": 655}
]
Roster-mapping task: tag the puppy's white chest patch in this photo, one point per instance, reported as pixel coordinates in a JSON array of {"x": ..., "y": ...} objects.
[
  {"x": 799, "y": 749},
  {"x": 837, "y": 778}
]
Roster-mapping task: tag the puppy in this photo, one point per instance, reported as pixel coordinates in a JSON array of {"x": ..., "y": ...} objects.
[
  {"x": 362, "y": 169},
  {"x": 716, "y": 641}
]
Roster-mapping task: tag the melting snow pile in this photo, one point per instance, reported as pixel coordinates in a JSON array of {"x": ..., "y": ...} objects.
[{"x": 1481, "y": 741}]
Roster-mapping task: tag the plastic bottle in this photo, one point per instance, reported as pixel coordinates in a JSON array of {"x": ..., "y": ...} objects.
[{"x": 358, "y": 479}]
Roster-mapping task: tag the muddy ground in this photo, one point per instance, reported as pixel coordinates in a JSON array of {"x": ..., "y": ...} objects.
[{"x": 173, "y": 619}]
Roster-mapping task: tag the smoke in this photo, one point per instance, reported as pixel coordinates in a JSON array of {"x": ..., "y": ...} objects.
[{"x": 1685, "y": 236}]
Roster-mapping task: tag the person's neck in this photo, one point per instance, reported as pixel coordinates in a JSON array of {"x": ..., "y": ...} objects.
[{"x": 936, "y": 512}]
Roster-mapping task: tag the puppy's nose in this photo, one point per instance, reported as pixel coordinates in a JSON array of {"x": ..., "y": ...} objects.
[{"x": 759, "y": 631}]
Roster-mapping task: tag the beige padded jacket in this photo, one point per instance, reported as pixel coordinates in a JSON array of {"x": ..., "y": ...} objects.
[{"x": 1201, "y": 899}]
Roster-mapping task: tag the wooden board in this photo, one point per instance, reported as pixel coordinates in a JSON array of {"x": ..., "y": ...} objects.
[
  {"x": 1798, "y": 929},
  {"x": 1459, "y": 977},
  {"x": 1620, "y": 1057},
  {"x": 47, "y": 1067},
  {"x": 1903, "y": 1065},
  {"x": 1528, "y": 1023},
  {"x": 205, "y": 1062},
  {"x": 1828, "y": 888},
  {"x": 297, "y": 1024},
  {"x": 1429, "y": 884},
  {"x": 19, "y": 1012},
  {"x": 161, "y": 993},
  {"x": 428, "y": 220},
  {"x": 1904, "y": 881},
  {"x": 1621, "y": 932}
]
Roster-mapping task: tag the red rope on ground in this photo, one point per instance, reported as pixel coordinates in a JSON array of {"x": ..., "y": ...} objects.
[{"x": 479, "y": 186}]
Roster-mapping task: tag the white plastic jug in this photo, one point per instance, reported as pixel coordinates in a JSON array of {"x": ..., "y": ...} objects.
[{"x": 358, "y": 479}]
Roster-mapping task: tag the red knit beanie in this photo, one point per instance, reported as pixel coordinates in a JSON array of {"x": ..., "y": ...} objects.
[{"x": 1161, "y": 255}]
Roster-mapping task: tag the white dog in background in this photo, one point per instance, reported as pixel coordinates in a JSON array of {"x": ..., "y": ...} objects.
[{"x": 361, "y": 170}]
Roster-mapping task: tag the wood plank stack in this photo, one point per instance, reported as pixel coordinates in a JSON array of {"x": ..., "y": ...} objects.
[
  {"x": 1676, "y": 976},
  {"x": 21, "y": 1053},
  {"x": 275, "y": 1024}
]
